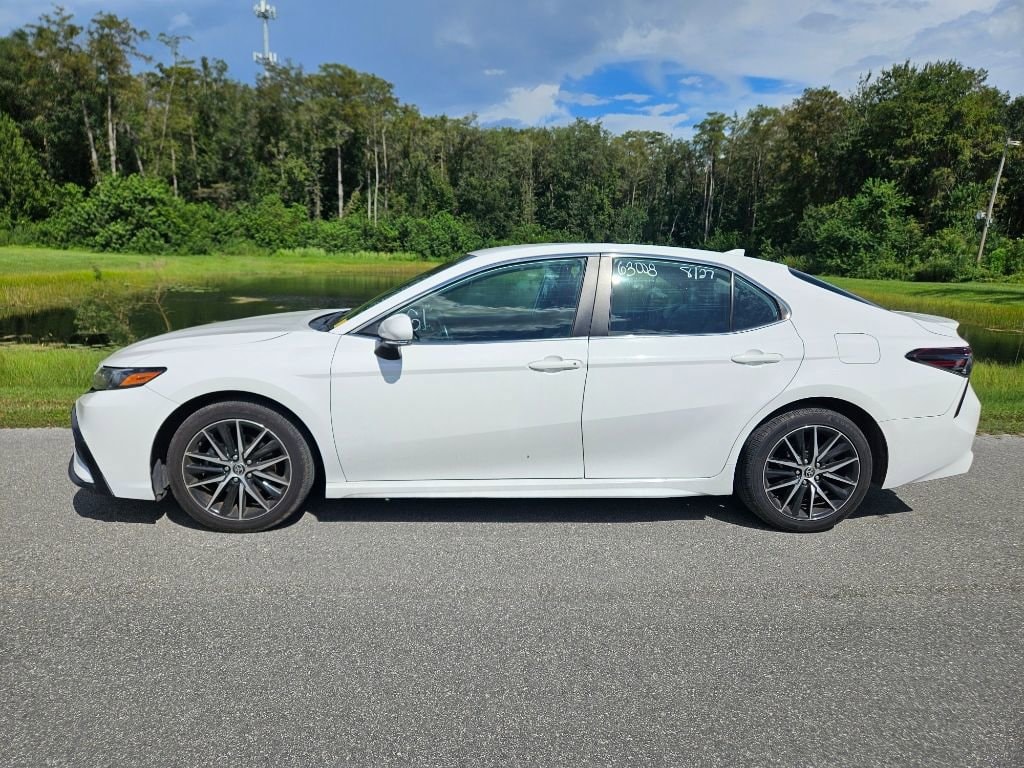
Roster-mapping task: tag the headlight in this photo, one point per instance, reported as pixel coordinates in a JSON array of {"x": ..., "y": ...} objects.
[{"x": 122, "y": 378}]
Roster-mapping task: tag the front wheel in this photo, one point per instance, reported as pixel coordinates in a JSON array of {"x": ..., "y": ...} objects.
[
  {"x": 805, "y": 470},
  {"x": 239, "y": 466}
]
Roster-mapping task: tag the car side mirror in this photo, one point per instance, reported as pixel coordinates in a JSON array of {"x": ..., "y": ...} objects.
[{"x": 394, "y": 332}]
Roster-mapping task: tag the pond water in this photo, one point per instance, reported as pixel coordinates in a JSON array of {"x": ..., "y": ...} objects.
[
  {"x": 245, "y": 297},
  {"x": 994, "y": 346},
  {"x": 240, "y": 297}
]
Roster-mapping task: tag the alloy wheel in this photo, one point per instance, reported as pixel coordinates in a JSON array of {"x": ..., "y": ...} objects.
[
  {"x": 811, "y": 472},
  {"x": 236, "y": 469}
]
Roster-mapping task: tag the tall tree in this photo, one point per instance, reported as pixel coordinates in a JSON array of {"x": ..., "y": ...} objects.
[
  {"x": 931, "y": 129},
  {"x": 711, "y": 142},
  {"x": 112, "y": 44}
]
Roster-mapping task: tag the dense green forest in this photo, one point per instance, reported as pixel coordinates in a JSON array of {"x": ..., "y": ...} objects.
[{"x": 103, "y": 147}]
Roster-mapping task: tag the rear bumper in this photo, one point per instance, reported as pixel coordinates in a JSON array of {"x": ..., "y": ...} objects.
[{"x": 930, "y": 448}]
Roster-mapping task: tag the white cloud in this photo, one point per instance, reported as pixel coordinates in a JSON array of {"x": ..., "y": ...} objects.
[
  {"x": 180, "y": 21},
  {"x": 16, "y": 14},
  {"x": 527, "y": 106},
  {"x": 620, "y": 122},
  {"x": 582, "y": 99},
  {"x": 657, "y": 110},
  {"x": 490, "y": 72},
  {"x": 826, "y": 23},
  {"x": 798, "y": 41},
  {"x": 456, "y": 32},
  {"x": 636, "y": 98},
  {"x": 995, "y": 38},
  {"x": 547, "y": 104}
]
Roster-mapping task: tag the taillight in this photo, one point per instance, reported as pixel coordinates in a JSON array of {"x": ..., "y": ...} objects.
[{"x": 958, "y": 360}]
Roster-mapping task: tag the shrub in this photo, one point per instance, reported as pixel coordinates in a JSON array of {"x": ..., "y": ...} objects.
[
  {"x": 25, "y": 191},
  {"x": 725, "y": 241},
  {"x": 869, "y": 235},
  {"x": 269, "y": 223},
  {"x": 352, "y": 233},
  {"x": 442, "y": 236},
  {"x": 945, "y": 256},
  {"x": 130, "y": 213},
  {"x": 533, "y": 233},
  {"x": 1007, "y": 258}
]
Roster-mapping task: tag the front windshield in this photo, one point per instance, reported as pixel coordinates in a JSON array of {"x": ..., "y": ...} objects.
[{"x": 392, "y": 291}]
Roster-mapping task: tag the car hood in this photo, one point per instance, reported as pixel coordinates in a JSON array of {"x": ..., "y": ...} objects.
[{"x": 248, "y": 330}]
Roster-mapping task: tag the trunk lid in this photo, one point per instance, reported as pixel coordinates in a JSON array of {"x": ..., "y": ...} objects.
[{"x": 941, "y": 326}]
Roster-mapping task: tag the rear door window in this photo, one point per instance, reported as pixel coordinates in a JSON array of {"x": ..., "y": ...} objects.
[
  {"x": 668, "y": 297},
  {"x": 660, "y": 296}
]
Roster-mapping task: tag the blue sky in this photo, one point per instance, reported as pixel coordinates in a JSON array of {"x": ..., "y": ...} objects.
[{"x": 633, "y": 64}]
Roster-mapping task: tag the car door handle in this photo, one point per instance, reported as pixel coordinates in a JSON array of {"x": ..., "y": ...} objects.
[
  {"x": 757, "y": 357},
  {"x": 554, "y": 364}
]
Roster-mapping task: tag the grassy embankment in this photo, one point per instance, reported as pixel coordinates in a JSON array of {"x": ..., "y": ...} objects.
[
  {"x": 989, "y": 305},
  {"x": 33, "y": 279},
  {"x": 39, "y": 383}
]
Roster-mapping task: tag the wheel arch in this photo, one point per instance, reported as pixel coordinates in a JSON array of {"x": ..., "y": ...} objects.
[
  {"x": 864, "y": 420},
  {"x": 162, "y": 440}
]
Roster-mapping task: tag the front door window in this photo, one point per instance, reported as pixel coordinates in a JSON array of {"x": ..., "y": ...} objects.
[{"x": 534, "y": 300}]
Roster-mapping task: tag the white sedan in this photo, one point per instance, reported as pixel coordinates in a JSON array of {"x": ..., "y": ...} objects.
[{"x": 548, "y": 370}]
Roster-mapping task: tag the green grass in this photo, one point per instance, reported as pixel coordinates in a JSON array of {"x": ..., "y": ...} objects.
[
  {"x": 39, "y": 383},
  {"x": 33, "y": 279},
  {"x": 989, "y": 305},
  {"x": 1001, "y": 391}
]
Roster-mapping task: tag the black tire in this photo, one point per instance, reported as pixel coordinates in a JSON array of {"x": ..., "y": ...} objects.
[
  {"x": 267, "y": 434},
  {"x": 763, "y": 467}
]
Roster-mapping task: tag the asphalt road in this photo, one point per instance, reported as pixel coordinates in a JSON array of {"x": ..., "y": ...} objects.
[{"x": 511, "y": 633}]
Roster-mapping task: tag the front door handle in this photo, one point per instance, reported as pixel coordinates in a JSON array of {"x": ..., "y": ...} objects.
[
  {"x": 757, "y": 357},
  {"x": 554, "y": 364}
]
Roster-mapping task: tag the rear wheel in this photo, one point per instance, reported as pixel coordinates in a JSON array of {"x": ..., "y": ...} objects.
[
  {"x": 239, "y": 466},
  {"x": 805, "y": 470}
]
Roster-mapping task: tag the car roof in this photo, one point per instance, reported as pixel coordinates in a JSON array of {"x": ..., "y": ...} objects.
[
  {"x": 505, "y": 252},
  {"x": 734, "y": 259}
]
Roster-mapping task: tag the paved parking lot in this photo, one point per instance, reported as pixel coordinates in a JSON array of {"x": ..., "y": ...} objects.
[{"x": 511, "y": 633}]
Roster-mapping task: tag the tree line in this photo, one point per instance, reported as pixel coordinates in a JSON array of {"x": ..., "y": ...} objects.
[{"x": 102, "y": 146}]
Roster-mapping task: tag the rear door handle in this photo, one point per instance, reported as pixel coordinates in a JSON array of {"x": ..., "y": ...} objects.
[
  {"x": 757, "y": 357},
  {"x": 554, "y": 364}
]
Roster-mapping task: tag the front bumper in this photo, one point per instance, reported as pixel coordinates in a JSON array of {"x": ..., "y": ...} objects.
[
  {"x": 82, "y": 468},
  {"x": 114, "y": 435}
]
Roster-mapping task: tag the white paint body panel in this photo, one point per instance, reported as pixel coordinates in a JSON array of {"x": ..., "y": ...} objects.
[
  {"x": 671, "y": 406},
  {"x": 458, "y": 411},
  {"x": 640, "y": 416}
]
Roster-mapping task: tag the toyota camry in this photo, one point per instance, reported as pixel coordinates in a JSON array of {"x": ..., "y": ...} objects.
[{"x": 541, "y": 371}]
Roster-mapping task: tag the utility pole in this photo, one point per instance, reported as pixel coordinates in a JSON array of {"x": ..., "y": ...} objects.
[
  {"x": 266, "y": 13},
  {"x": 992, "y": 200}
]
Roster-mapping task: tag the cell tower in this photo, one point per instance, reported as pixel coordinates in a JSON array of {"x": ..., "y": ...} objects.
[{"x": 266, "y": 12}]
